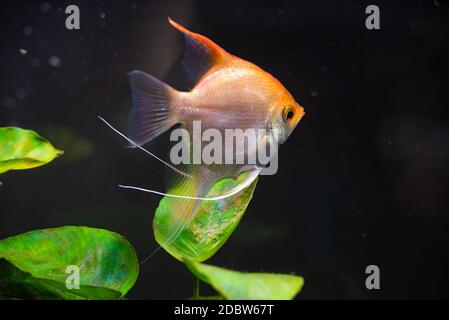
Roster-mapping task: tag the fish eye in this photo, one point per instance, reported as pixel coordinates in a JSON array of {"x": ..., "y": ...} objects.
[{"x": 288, "y": 113}]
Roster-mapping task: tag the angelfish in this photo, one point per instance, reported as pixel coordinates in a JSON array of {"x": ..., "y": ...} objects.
[{"x": 228, "y": 93}]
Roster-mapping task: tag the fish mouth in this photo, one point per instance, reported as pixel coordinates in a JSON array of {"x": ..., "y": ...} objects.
[
  {"x": 302, "y": 113},
  {"x": 291, "y": 127}
]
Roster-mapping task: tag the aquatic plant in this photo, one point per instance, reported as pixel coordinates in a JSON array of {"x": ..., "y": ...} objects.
[
  {"x": 24, "y": 149},
  {"x": 213, "y": 222},
  {"x": 233, "y": 285},
  {"x": 39, "y": 264}
]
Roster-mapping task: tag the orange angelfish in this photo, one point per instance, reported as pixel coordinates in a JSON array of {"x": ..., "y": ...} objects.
[{"x": 228, "y": 93}]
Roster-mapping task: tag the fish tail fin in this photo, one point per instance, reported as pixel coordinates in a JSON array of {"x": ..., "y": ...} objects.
[{"x": 152, "y": 112}]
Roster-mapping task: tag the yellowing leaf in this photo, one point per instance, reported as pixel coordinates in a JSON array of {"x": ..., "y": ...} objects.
[
  {"x": 234, "y": 285},
  {"x": 24, "y": 149}
]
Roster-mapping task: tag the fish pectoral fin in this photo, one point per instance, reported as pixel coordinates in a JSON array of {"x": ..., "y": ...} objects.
[
  {"x": 200, "y": 54},
  {"x": 151, "y": 113}
]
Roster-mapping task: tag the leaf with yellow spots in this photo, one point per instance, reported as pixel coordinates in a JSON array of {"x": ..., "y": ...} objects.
[{"x": 213, "y": 222}]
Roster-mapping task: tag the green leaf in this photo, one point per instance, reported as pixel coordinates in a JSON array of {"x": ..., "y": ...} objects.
[
  {"x": 34, "y": 265},
  {"x": 24, "y": 149},
  {"x": 234, "y": 285},
  {"x": 212, "y": 223}
]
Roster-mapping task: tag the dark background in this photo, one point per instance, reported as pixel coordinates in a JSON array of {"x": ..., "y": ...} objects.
[{"x": 362, "y": 180}]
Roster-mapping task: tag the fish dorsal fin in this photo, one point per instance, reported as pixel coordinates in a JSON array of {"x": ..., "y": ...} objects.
[{"x": 201, "y": 54}]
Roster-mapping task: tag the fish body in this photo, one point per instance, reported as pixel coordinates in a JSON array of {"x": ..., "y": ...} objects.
[{"x": 227, "y": 93}]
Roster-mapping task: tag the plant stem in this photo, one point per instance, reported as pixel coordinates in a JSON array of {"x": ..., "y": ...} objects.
[{"x": 196, "y": 288}]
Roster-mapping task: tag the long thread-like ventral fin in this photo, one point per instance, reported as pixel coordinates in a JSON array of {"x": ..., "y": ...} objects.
[
  {"x": 246, "y": 183},
  {"x": 143, "y": 149}
]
